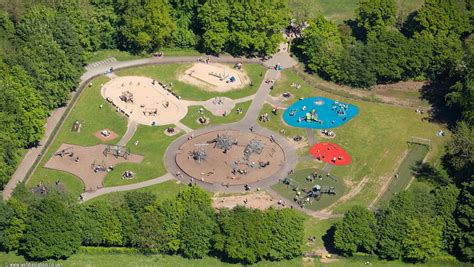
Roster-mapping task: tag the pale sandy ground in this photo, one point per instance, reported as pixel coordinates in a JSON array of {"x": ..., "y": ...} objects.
[
  {"x": 146, "y": 96},
  {"x": 200, "y": 75},
  {"x": 257, "y": 200}
]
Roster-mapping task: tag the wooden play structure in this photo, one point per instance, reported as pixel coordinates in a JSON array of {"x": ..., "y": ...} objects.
[
  {"x": 117, "y": 151},
  {"x": 127, "y": 97},
  {"x": 150, "y": 112}
]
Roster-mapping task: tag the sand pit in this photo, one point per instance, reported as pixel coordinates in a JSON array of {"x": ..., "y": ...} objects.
[
  {"x": 215, "y": 77},
  {"x": 82, "y": 168},
  {"x": 144, "y": 102},
  {"x": 230, "y": 166},
  {"x": 255, "y": 200}
]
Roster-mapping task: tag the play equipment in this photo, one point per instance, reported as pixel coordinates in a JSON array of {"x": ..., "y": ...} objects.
[
  {"x": 330, "y": 153},
  {"x": 127, "y": 175},
  {"x": 105, "y": 133},
  {"x": 126, "y": 97},
  {"x": 224, "y": 142},
  {"x": 98, "y": 166},
  {"x": 76, "y": 126},
  {"x": 150, "y": 112},
  {"x": 419, "y": 141},
  {"x": 254, "y": 146},
  {"x": 319, "y": 113},
  {"x": 199, "y": 154},
  {"x": 65, "y": 152},
  {"x": 117, "y": 151}
]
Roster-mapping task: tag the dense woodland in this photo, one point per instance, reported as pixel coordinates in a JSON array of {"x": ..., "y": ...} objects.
[
  {"x": 55, "y": 226},
  {"x": 43, "y": 46}
]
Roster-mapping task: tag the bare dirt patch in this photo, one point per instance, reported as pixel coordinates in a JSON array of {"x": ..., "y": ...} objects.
[
  {"x": 256, "y": 200},
  {"x": 78, "y": 161},
  {"x": 112, "y": 135}
]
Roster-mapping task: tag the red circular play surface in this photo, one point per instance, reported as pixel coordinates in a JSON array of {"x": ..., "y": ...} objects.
[{"x": 330, "y": 153}]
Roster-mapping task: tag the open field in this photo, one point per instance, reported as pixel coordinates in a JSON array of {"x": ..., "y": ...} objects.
[
  {"x": 405, "y": 172},
  {"x": 375, "y": 138},
  {"x": 168, "y": 73},
  {"x": 152, "y": 145},
  {"x": 93, "y": 119},
  {"x": 163, "y": 191},
  {"x": 193, "y": 114},
  {"x": 341, "y": 10}
]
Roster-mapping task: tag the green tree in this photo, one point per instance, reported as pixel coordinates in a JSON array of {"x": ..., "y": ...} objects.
[
  {"x": 460, "y": 149},
  {"x": 137, "y": 202},
  {"x": 286, "y": 226},
  {"x": 213, "y": 17},
  {"x": 440, "y": 18},
  {"x": 146, "y": 25},
  {"x": 14, "y": 232},
  {"x": 423, "y": 240},
  {"x": 465, "y": 219},
  {"x": 356, "y": 232},
  {"x": 108, "y": 227},
  {"x": 375, "y": 15},
  {"x": 322, "y": 47},
  {"x": 197, "y": 229},
  {"x": 52, "y": 231}
]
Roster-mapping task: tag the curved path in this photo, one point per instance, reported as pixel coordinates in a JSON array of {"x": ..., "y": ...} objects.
[{"x": 248, "y": 121}]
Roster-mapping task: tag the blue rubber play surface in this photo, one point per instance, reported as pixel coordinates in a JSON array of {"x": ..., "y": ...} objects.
[{"x": 319, "y": 113}]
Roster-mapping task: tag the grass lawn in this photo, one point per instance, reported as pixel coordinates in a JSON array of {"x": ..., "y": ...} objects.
[
  {"x": 299, "y": 180},
  {"x": 168, "y": 73},
  {"x": 276, "y": 124},
  {"x": 317, "y": 228},
  {"x": 193, "y": 114},
  {"x": 341, "y": 10},
  {"x": 166, "y": 190},
  {"x": 132, "y": 259},
  {"x": 376, "y": 138},
  {"x": 153, "y": 143},
  {"x": 93, "y": 119},
  {"x": 405, "y": 172}
]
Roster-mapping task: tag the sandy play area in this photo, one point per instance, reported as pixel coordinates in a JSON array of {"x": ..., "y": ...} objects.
[
  {"x": 82, "y": 167},
  {"x": 215, "y": 77},
  {"x": 255, "y": 200},
  {"x": 205, "y": 157},
  {"x": 144, "y": 102}
]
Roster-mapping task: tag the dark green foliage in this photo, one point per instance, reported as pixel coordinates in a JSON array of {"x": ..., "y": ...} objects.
[
  {"x": 460, "y": 157},
  {"x": 356, "y": 232},
  {"x": 286, "y": 226},
  {"x": 465, "y": 220},
  {"x": 52, "y": 231},
  {"x": 197, "y": 229},
  {"x": 101, "y": 225},
  {"x": 375, "y": 15},
  {"x": 138, "y": 201}
]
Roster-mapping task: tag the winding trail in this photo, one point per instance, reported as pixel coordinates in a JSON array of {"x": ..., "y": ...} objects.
[{"x": 131, "y": 129}]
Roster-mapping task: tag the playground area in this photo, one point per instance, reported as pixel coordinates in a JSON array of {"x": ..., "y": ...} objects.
[
  {"x": 229, "y": 157},
  {"x": 215, "y": 77},
  {"x": 330, "y": 153},
  {"x": 90, "y": 164},
  {"x": 144, "y": 100},
  {"x": 311, "y": 188},
  {"x": 255, "y": 200},
  {"x": 319, "y": 113}
]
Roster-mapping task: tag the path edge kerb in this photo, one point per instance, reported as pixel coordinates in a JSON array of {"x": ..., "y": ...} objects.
[{"x": 80, "y": 89}]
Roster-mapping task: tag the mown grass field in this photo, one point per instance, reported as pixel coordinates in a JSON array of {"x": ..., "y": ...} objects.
[
  {"x": 124, "y": 55},
  {"x": 152, "y": 145},
  {"x": 163, "y": 191},
  {"x": 168, "y": 73},
  {"x": 405, "y": 172},
  {"x": 193, "y": 114},
  {"x": 376, "y": 138},
  {"x": 93, "y": 119},
  {"x": 341, "y": 10}
]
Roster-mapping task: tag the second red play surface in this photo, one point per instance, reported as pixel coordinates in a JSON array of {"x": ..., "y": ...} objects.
[{"x": 330, "y": 153}]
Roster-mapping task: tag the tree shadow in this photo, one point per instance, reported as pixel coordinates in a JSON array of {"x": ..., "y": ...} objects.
[
  {"x": 328, "y": 239},
  {"x": 435, "y": 94},
  {"x": 427, "y": 172}
]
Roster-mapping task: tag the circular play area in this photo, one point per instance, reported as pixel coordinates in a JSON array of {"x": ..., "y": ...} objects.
[
  {"x": 319, "y": 113},
  {"x": 144, "y": 100},
  {"x": 215, "y": 77},
  {"x": 230, "y": 157}
]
